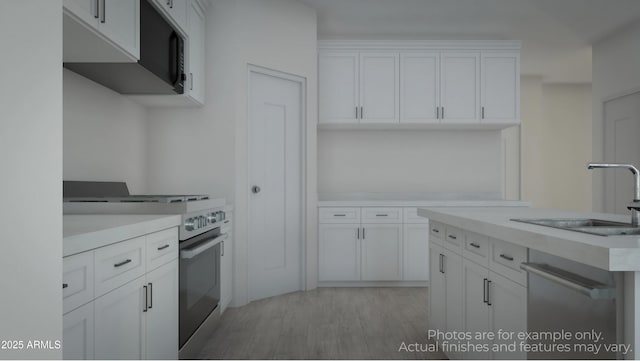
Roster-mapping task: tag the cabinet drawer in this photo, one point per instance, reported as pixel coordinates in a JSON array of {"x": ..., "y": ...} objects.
[
  {"x": 339, "y": 215},
  {"x": 455, "y": 238},
  {"x": 410, "y": 215},
  {"x": 476, "y": 248},
  {"x": 437, "y": 230},
  {"x": 118, "y": 264},
  {"x": 506, "y": 259},
  {"x": 162, "y": 247},
  {"x": 77, "y": 280},
  {"x": 381, "y": 215}
]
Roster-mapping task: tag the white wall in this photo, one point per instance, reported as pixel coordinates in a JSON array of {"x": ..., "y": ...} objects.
[
  {"x": 409, "y": 161},
  {"x": 556, "y": 144},
  {"x": 104, "y": 134},
  {"x": 615, "y": 72},
  {"x": 276, "y": 34},
  {"x": 31, "y": 182}
]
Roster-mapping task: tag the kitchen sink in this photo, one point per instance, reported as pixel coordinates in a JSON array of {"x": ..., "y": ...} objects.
[{"x": 598, "y": 227}]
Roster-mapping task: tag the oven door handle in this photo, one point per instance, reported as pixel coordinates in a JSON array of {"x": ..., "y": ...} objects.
[{"x": 189, "y": 253}]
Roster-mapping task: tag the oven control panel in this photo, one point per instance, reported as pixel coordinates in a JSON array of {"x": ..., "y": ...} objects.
[{"x": 202, "y": 221}]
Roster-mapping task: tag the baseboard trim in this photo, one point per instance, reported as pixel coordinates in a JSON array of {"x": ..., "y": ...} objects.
[{"x": 373, "y": 284}]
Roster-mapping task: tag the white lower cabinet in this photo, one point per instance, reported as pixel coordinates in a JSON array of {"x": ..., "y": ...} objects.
[
  {"x": 387, "y": 244},
  {"x": 476, "y": 307},
  {"x": 415, "y": 249},
  {"x": 473, "y": 297},
  {"x": 437, "y": 290},
  {"x": 135, "y": 315},
  {"x": 162, "y": 313},
  {"x": 120, "y": 328},
  {"x": 381, "y": 252},
  {"x": 508, "y": 311},
  {"x": 77, "y": 333},
  {"x": 339, "y": 252}
]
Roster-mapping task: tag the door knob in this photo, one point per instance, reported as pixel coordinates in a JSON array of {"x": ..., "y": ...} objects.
[{"x": 255, "y": 189}]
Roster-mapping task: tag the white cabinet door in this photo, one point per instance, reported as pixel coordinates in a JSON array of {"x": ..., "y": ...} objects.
[
  {"x": 381, "y": 252},
  {"x": 415, "y": 249},
  {"x": 226, "y": 271},
  {"x": 419, "y": 87},
  {"x": 379, "y": 87},
  {"x": 162, "y": 313},
  {"x": 120, "y": 23},
  {"x": 452, "y": 265},
  {"x": 437, "y": 290},
  {"x": 196, "y": 78},
  {"x": 179, "y": 10},
  {"x": 476, "y": 309},
  {"x": 85, "y": 10},
  {"x": 500, "y": 87},
  {"x": 508, "y": 310},
  {"x": 120, "y": 322},
  {"x": 338, "y": 87},
  {"x": 77, "y": 334},
  {"x": 460, "y": 87},
  {"x": 339, "y": 252}
]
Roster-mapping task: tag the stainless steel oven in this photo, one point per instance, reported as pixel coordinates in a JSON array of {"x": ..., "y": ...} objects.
[{"x": 199, "y": 280}]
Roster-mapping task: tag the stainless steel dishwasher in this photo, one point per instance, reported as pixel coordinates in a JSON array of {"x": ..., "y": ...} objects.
[{"x": 564, "y": 295}]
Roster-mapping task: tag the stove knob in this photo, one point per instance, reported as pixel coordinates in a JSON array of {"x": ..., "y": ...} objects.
[
  {"x": 202, "y": 221},
  {"x": 189, "y": 224},
  {"x": 212, "y": 218}
]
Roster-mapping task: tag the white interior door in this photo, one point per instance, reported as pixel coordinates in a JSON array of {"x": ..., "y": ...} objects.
[
  {"x": 621, "y": 129},
  {"x": 275, "y": 176}
]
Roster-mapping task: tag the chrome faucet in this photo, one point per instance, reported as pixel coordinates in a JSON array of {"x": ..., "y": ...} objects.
[{"x": 634, "y": 206}]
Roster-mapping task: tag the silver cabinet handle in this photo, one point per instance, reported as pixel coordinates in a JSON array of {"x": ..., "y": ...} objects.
[
  {"x": 508, "y": 258},
  {"x": 434, "y": 230},
  {"x": 474, "y": 245},
  {"x": 356, "y": 112},
  {"x": 358, "y": 233},
  {"x": 339, "y": 215},
  {"x": 489, "y": 293},
  {"x": 191, "y": 76},
  {"x": 361, "y": 112},
  {"x": 119, "y": 264},
  {"x": 452, "y": 236},
  {"x": 442, "y": 112},
  {"x": 146, "y": 296},
  {"x": 441, "y": 263},
  {"x": 163, "y": 247},
  {"x": 96, "y": 13},
  {"x": 382, "y": 215},
  {"x": 482, "y": 112},
  {"x": 363, "y": 237},
  {"x": 583, "y": 285},
  {"x": 104, "y": 12},
  {"x": 437, "y": 112}
]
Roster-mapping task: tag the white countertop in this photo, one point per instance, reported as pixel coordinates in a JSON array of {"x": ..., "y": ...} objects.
[
  {"x": 416, "y": 199},
  {"x": 612, "y": 253},
  {"x": 84, "y": 232}
]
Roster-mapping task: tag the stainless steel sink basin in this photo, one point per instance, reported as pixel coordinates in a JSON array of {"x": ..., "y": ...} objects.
[{"x": 598, "y": 227}]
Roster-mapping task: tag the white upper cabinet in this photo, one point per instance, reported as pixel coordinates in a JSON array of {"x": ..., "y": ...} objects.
[
  {"x": 429, "y": 84},
  {"x": 175, "y": 10},
  {"x": 419, "y": 87},
  {"x": 101, "y": 30},
  {"x": 338, "y": 88},
  {"x": 196, "y": 76},
  {"x": 379, "y": 83},
  {"x": 460, "y": 88},
  {"x": 500, "y": 92}
]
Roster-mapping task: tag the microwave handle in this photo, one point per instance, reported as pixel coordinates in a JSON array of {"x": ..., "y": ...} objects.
[
  {"x": 189, "y": 253},
  {"x": 174, "y": 62}
]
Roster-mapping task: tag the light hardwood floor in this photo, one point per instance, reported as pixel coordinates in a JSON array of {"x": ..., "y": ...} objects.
[{"x": 326, "y": 323}]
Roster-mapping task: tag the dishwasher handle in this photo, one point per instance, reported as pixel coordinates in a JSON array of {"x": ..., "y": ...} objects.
[{"x": 593, "y": 289}]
